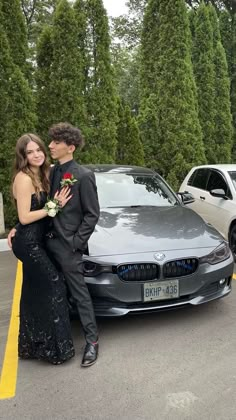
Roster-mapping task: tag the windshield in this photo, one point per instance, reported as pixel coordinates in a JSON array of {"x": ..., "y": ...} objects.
[
  {"x": 233, "y": 177},
  {"x": 127, "y": 190}
]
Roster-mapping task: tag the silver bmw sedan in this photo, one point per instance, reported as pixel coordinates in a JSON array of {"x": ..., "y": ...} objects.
[{"x": 149, "y": 252}]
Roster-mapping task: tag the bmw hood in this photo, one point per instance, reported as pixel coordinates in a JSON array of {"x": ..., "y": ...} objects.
[{"x": 150, "y": 229}]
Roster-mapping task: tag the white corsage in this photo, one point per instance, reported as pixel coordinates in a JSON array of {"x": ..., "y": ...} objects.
[{"x": 52, "y": 207}]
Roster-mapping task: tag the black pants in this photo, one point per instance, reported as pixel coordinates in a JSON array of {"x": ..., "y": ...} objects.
[{"x": 70, "y": 264}]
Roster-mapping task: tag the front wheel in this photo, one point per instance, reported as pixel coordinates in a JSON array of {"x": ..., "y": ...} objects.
[{"x": 232, "y": 240}]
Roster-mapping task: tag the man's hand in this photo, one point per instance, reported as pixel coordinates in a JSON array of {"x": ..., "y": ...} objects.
[{"x": 11, "y": 235}]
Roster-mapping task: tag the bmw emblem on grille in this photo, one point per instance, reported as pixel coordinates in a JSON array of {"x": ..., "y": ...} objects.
[{"x": 159, "y": 256}]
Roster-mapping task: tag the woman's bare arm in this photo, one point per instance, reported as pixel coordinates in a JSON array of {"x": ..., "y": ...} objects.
[{"x": 23, "y": 190}]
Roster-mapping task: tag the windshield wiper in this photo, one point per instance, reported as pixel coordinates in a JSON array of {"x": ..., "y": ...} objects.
[
  {"x": 126, "y": 207},
  {"x": 134, "y": 206}
]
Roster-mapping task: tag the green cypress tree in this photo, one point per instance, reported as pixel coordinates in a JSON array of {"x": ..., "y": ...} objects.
[
  {"x": 100, "y": 91},
  {"x": 81, "y": 19},
  {"x": 17, "y": 117},
  {"x": 5, "y": 71},
  {"x": 149, "y": 73},
  {"x": 228, "y": 35},
  {"x": 214, "y": 24},
  {"x": 149, "y": 48},
  {"x": 129, "y": 146},
  {"x": 66, "y": 102},
  {"x": 21, "y": 119},
  {"x": 233, "y": 84},
  {"x": 223, "y": 118},
  {"x": 83, "y": 68},
  {"x": 179, "y": 130},
  {"x": 225, "y": 22},
  {"x": 43, "y": 77},
  {"x": 148, "y": 126},
  {"x": 222, "y": 122},
  {"x": 191, "y": 15},
  {"x": 204, "y": 76},
  {"x": 15, "y": 28}
]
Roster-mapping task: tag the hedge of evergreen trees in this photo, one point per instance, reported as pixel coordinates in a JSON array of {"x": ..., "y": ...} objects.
[{"x": 165, "y": 98}]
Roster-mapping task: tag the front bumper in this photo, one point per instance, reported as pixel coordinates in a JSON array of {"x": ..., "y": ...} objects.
[
  {"x": 111, "y": 308},
  {"x": 115, "y": 297}
]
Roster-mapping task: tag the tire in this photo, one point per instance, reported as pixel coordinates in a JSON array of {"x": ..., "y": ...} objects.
[{"x": 232, "y": 240}]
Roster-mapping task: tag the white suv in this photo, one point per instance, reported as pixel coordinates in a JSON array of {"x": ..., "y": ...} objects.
[{"x": 214, "y": 190}]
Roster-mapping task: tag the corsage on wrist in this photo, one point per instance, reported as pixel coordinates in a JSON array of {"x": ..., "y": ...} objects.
[
  {"x": 52, "y": 207},
  {"x": 68, "y": 180}
]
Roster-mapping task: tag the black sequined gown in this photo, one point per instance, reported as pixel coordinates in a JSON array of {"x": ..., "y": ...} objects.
[{"x": 45, "y": 331}]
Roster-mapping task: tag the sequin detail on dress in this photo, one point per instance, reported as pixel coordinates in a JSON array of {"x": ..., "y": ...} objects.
[{"x": 45, "y": 331}]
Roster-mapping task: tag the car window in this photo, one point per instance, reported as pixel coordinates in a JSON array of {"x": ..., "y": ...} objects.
[
  {"x": 127, "y": 190},
  {"x": 217, "y": 181},
  {"x": 199, "y": 178}
]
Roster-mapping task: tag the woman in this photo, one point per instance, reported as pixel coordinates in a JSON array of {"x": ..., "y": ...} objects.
[{"x": 45, "y": 331}]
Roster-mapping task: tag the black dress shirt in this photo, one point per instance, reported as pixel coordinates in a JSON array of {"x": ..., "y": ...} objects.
[{"x": 58, "y": 173}]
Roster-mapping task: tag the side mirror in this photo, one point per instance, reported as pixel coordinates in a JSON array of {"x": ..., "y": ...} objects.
[
  {"x": 186, "y": 197},
  {"x": 220, "y": 193}
]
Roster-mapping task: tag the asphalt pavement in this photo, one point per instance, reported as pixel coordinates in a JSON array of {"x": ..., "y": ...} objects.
[{"x": 172, "y": 365}]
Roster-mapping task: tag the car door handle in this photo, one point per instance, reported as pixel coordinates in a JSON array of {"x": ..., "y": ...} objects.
[{"x": 202, "y": 198}]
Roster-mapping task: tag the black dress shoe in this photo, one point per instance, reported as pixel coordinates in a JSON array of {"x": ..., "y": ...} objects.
[{"x": 90, "y": 355}]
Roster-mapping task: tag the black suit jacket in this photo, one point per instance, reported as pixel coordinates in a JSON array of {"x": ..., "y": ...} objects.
[{"x": 75, "y": 223}]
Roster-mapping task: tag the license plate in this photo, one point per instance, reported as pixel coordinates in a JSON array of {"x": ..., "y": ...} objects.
[{"x": 161, "y": 290}]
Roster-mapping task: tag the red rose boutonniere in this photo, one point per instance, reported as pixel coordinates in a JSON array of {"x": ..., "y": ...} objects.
[{"x": 68, "y": 180}]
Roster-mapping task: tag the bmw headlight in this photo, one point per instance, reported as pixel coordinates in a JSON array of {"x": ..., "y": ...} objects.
[
  {"x": 92, "y": 269},
  {"x": 221, "y": 253}
]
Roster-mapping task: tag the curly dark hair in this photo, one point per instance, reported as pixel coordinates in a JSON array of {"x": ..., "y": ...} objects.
[{"x": 67, "y": 133}]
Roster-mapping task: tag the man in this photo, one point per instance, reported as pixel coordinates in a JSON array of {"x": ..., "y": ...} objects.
[{"x": 73, "y": 226}]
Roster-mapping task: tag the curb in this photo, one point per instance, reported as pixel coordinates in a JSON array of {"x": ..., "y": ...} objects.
[{"x": 3, "y": 245}]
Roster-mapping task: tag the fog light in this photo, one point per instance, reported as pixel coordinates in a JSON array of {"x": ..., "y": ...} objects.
[{"x": 222, "y": 282}]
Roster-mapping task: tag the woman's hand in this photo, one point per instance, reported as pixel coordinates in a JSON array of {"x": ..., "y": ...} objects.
[
  {"x": 63, "y": 196},
  {"x": 11, "y": 235}
]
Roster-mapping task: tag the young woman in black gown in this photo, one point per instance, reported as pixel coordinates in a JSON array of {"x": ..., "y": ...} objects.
[{"x": 45, "y": 331}]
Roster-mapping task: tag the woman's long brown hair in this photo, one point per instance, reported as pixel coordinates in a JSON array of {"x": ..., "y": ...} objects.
[{"x": 21, "y": 163}]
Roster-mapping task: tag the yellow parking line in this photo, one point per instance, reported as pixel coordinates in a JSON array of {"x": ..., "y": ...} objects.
[
  {"x": 234, "y": 276},
  {"x": 8, "y": 377}
]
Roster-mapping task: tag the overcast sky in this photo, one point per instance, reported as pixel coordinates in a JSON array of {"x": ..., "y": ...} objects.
[{"x": 115, "y": 7}]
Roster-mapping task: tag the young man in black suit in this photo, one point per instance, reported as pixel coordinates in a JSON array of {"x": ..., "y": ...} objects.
[{"x": 73, "y": 226}]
